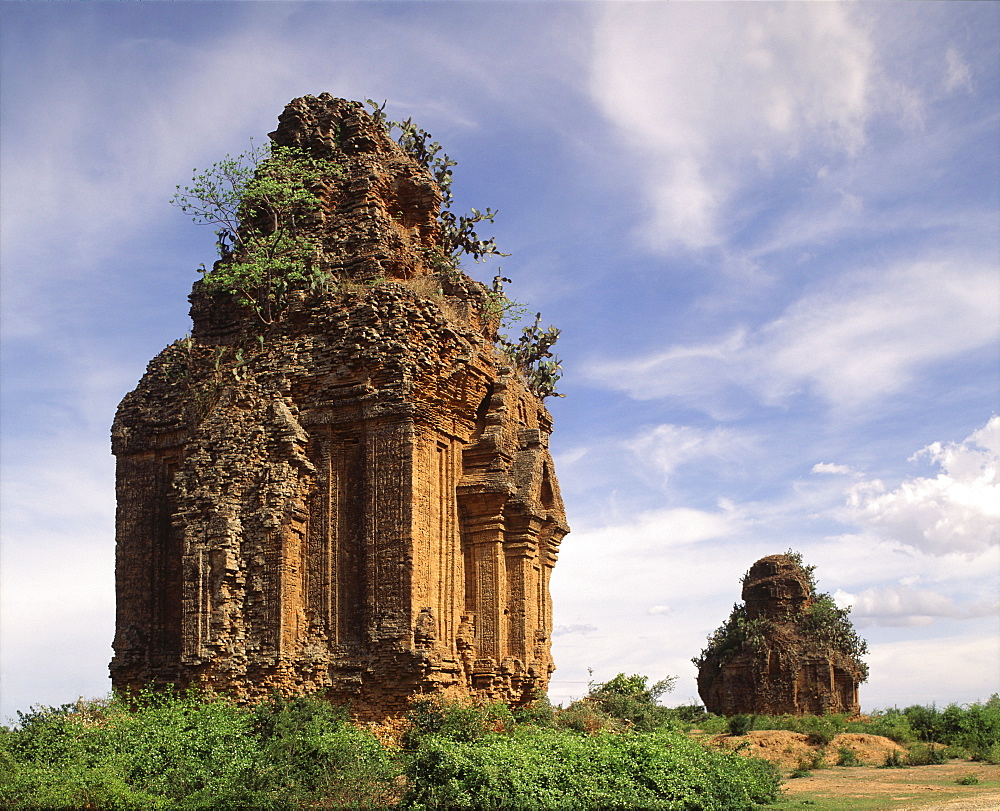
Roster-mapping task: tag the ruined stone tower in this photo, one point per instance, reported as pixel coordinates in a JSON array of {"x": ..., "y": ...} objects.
[
  {"x": 356, "y": 499},
  {"x": 786, "y": 650}
]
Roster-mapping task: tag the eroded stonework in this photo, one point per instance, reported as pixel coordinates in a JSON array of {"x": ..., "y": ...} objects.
[
  {"x": 357, "y": 500},
  {"x": 781, "y": 669}
]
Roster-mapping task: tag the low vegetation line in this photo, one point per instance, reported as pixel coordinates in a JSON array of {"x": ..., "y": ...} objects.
[{"x": 615, "y": 748}]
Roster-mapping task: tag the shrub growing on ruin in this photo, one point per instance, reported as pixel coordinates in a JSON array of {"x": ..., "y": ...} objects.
[
  {"x": 260, "y": 202},
  {"x": 531, "y": 354}
]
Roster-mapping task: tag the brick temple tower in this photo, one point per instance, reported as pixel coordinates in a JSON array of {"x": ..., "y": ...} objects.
[
  {"x": 356, "y": 499},
  {"x": 777, "y": 655}
]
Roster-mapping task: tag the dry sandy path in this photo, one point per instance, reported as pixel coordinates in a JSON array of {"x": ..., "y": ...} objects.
[{"x": 920, "y": 788}]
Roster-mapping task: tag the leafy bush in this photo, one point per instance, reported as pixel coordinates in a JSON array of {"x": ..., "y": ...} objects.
[
  {"x": 542, "y": 768},
  {"x": 459, "y": 720},
  {"x": 315, "y": 753},
  {"x": 713, "y": 724},
  {"x": 971, "y": 730},
  {"x": 974, "y": 727},
  {"x": 585, "y": 716},
  {"x": 894, "y": 760},
  {"x": 539, "y": 712},
  {"x": 690, "y": 713},
  {"x": 847, "y": 757},
  {"x": 926, "y": 722},
  {"x": 820, "y": 729},
  {"x": 260, "y": 202},
  {"x": 163, "y": 750},
  {"x": 989, "y": 754},
  {"x": 620, "y": 704},
  {"x": 740, "y": 724},
  {"x": 891, "y": 724},
  {"x": 815, "y": 760},
  {"x": 926, "y": 754},
  {"x": 633, "y": 700}
]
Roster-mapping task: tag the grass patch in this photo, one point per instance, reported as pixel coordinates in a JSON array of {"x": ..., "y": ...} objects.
[{"x": 871, "y": 789}]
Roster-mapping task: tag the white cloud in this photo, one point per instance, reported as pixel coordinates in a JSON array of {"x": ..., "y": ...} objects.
[
  {"x": 867, "y": 335},
  {"x": 906, "y": 606},
  {"x": 831, "y": 469},
  {"x": 706, "y": 92},
  {"x": 656, "y": 531},
  {"x": 850, "y": 341},
  {"x": 956, "y": 511},
  {"x": 958, "y": 74},
  {"x": 918, "y": 668},
  {"x": 578, "y": 628}
]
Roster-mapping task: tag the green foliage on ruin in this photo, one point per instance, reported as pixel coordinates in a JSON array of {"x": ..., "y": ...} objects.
[
  {"x": 734, "y": 635},
  {"x": 458, "y": 232},
  {"x": 531, "y": 354},
  {"x": 822, "y": 621},
  {"x": 260, "y": 202},
  {"x": 263, "y": 202}
]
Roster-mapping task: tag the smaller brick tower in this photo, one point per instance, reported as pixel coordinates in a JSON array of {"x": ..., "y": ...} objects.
[{"x": 777, "y": 655}]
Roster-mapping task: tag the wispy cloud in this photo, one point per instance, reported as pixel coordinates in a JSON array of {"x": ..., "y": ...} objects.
[
  {"x": 831, "y": 469},
  {"x": 710, "y": 96},
  {"x": 668, "y": 447},
  {"x": 959, "y": 74},
  {"x": 848, "y": 342}
]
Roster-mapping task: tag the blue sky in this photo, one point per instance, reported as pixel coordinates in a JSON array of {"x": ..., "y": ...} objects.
[{"x": 769, "y": 232}]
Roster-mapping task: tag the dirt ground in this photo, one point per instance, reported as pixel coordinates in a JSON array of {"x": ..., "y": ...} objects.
[
  {"x": 918, "y": 787},
  {"x": 868, "y": 787}
]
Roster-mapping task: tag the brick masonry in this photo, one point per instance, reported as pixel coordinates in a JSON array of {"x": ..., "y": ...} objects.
[{"x": 356, "y": 500}]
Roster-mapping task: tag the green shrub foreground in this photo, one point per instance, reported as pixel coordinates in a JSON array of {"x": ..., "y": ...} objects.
[
  {"x": 552, "y": 769},
  {"x": 190, "y": 752},
  {"x": 202, "y": 751}
]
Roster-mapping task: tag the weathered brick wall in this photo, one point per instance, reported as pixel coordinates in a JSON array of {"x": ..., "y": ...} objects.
[{"x": 357, "y": 500}]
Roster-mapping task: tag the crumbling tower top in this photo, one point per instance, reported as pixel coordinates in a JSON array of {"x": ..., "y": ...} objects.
[
  {"x": 775, "y": 587},
  {"x": 379, "y": 219}
]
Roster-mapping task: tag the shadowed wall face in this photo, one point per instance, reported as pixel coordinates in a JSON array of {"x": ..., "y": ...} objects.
[{"x": 358, "y": 499}]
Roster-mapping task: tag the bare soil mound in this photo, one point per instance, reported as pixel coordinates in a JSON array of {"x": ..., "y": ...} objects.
[{"x": 790, "y": 749}]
